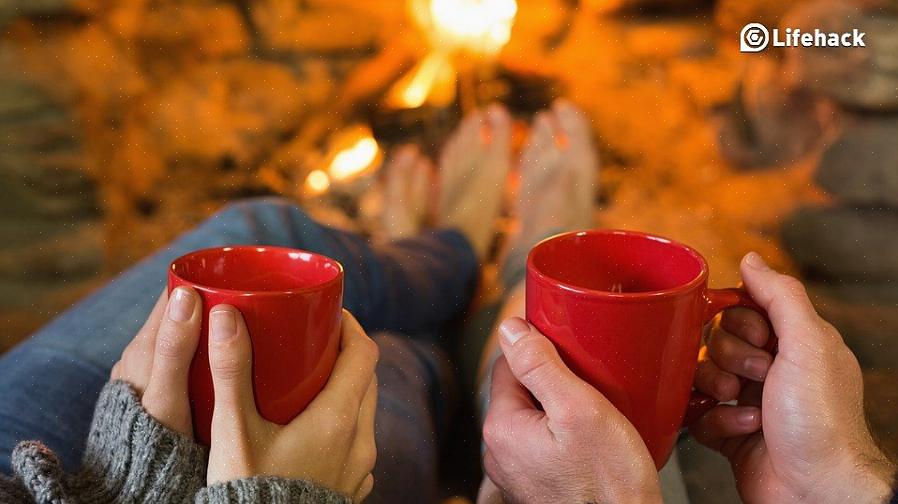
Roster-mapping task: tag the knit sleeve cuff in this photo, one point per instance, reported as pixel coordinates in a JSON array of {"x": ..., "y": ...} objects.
[
  {"x": 269, "y": 489},
  {"x": 128, "y": 449},
  {"x": 129, "y": 457}
]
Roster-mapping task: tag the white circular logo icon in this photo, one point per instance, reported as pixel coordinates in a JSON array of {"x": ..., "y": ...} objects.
[{"x": 754, "y": 38}]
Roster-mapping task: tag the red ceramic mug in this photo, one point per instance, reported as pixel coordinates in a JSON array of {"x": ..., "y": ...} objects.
[
  {"x": 292, "y": 303},
  {"x": 626, "y": 312}
]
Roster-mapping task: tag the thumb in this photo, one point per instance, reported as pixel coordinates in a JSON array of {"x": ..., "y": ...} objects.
[
  {"x": 230, "y": 360},
  {"x": 535, "y": 363},
  {"x": 792, "y": 315}
]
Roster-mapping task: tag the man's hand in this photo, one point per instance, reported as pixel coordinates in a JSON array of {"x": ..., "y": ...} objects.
[
  {"x": 551, "y": 437},
  {"x": 815, "y": 446}
]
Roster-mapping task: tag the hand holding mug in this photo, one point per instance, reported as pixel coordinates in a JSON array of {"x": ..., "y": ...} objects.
[
  {"x": 330, "y": 443},
  {"x": 625, "y": 311},
  {"x": 552, "y": 437},
  {"x": 815, "y": 445},
  {"x": 157, "y": 360}
]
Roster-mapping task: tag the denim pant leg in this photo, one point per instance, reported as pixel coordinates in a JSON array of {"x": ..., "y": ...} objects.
[
  {"x": 48, "y": 384},
  {"x": 414, "y": 390}
]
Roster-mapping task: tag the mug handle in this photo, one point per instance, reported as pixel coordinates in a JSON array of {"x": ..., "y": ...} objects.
[{"x": 718, "y": 300}]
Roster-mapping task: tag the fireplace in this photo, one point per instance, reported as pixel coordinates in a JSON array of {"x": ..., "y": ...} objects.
[{"x": 126, "y": 122}]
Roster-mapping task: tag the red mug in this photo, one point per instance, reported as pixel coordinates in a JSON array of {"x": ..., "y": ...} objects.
[
  {"x": 626, "y": 312},
  {"x": 292, "y": 303}
]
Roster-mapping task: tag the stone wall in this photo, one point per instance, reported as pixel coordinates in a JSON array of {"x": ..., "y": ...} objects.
[
  {"x": 124, "y": 122},
  {"x": 855, "y": 237}
]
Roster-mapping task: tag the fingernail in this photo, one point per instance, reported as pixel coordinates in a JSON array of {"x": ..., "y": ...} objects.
[
  {"x": 756, "y": 367},
  {"x": 222, "y": 325},
  {"x": 180, "y": 309},
  {"x": 748, "y": 418},
  {"x": 755, "y": 260},
  {"x": 513, "y": 329}
]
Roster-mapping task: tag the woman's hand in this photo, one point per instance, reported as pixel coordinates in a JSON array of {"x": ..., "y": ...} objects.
[
  {"x": 157, "y": 360},
  {"x": 815, "y": 446},
  {"x": 331, "y": 443}
]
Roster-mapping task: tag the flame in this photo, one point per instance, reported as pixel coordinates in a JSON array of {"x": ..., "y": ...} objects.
[
  {"x": 317, "y": 182},
  {"x": 354, "y": 152},
  {"x": 431, "y": 81},
  {"x": 481, "y": 27}
]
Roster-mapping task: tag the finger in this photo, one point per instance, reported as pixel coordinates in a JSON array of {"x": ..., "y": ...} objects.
[
  {"x": 116, "y": 373},
  {"x": 231, "y": 363},
  {"x": 747, "y": 324},
  {"x": 711, "y": 380},
  {"x": 364, "y": 449},
  {"x": 787, "y": 304},
  {"x": 734, "y": 355},
  {"x": 165, "y": 398},
  {"x": 491, "y": 466},
  {"x": 136, "y": 363},
  {"x": 751, "y": 394},
  {"x": 508, "y": 400},
  {"x": 353, "y": 370},
  {"x": 535, "y": 363},
  {"x": 365, "y": 489},
  {"x": 724, "y": 422},
  {"x": 507, "y": 395},
  {"x": 154, "y": 320}
]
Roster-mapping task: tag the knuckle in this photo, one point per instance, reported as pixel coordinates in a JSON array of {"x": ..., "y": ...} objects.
[
  {"x": 792, "y": 287},
  {"x": 533, "y": 361},
  {"x": 372, "y": 351},
  {"x": 226, "y": 368},
  {"x": 369, "y": 456},
  {"x": 131, "y": 352},
  {"x": 171, "y": 344},
  {"x": 344, "y": 424},
  {"x": 586, "y": 413},
  {"x": 493, "y": 434}
]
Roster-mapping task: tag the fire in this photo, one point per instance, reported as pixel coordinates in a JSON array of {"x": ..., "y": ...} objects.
[
  {"x": 354, "y": 160},
  {"x": 455, "y": 28},
  {"x": 431, "y": 81},
  {"x": 353, "y": 152},
  {"x": 317, "y": 182},
  {"x": 481, "y": 27}
]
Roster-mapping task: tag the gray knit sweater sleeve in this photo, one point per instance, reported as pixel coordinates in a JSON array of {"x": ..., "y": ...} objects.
[
  {"x": 268, "y": 489},
  {"x": 130, "y": 457}
]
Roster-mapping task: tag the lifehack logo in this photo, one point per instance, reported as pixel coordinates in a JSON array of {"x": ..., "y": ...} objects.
[{"x": 755, "y": 37}]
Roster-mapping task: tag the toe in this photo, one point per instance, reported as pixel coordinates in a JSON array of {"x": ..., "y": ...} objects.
[
  {"x": 572, "y": 121},
  {"x": 542, "y": 134},
  {"x": 399, "y": 168},
  {"x": 471, "y": 130},
  {"x": 421, "y": 188},
  {"x": 499, "y": 124}
]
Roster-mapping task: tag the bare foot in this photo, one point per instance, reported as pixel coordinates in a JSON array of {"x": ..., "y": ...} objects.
[
  {"x": 473, "y": 168},
  {"x": 559, "y": 169},
  {"x": 407, "y": 192}
]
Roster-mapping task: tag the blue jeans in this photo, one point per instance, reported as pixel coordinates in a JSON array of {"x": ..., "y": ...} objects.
[{"x": 49, "y": 383}]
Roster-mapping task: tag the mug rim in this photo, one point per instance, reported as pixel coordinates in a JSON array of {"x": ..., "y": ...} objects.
[
  {"x": 677, "y": 290},
  {"x": 338, "y": 278}
]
